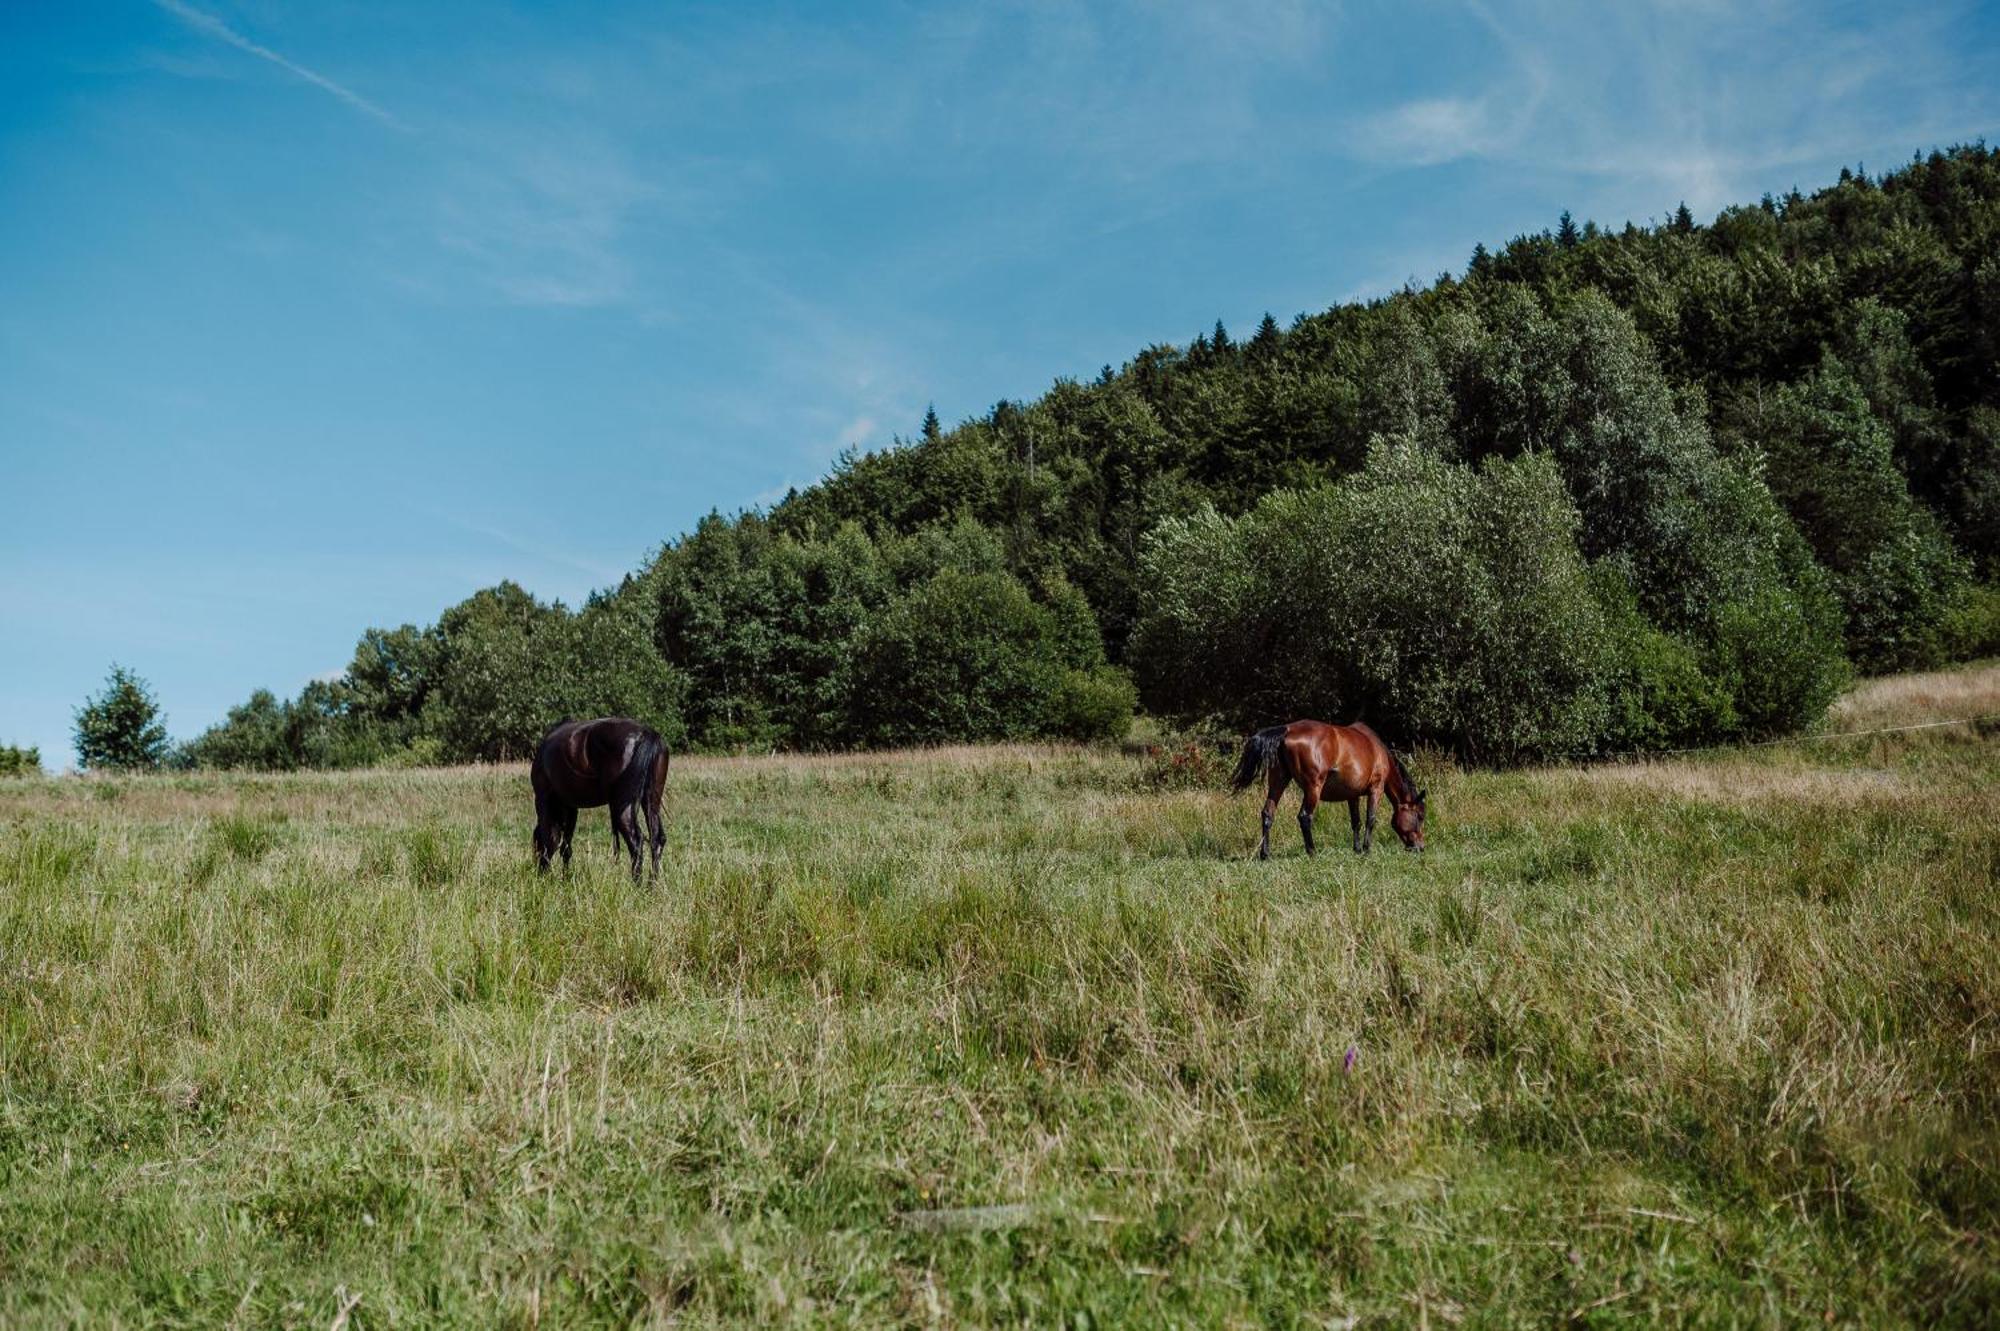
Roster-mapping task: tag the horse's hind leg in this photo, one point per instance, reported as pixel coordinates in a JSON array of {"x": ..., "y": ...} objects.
[
  {"x": 568, "y": 831},
  {"x": 546, "y": 831},
  {"x": 656, "y": 832},
  {"x": 1274, "y": 790},
  {"x": 625, "y": 821},
  {"x": 1307, "y": 807},
  {"x": 1354, "y": 820}
]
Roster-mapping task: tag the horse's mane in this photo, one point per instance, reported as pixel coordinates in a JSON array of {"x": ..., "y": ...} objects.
[{"x": 1395, "y": 759}]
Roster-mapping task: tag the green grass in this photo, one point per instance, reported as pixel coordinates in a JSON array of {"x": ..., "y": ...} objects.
[{"x": 1710, "y": 1041}]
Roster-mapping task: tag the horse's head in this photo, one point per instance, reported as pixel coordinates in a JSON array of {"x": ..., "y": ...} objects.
[{"x": 1408, "y": 820}]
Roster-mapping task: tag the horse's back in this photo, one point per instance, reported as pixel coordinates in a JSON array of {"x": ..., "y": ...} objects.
[
  {"x": 587, "y": 760},
  {"x": 1354, "y": 753},
  {"x": 614, "y": 743}
]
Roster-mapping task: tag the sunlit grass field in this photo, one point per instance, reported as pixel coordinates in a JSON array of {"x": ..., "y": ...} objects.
[{"x": 1711, "y": 1040}]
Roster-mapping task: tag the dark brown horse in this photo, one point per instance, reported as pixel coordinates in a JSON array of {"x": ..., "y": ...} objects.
[
  {"x": 1332, "y": 762},
  {"x": 582, "y": 764}
]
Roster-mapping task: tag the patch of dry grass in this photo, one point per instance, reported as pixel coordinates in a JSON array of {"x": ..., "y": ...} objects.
[{"x": 1936, "y": 695}]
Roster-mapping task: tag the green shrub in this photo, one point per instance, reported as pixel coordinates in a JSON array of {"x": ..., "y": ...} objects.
[
  {"x": 1779, "y": 660},
  {"x": 1831, "y": 462},
  {"x": 1900, "y": 597},
  {"x": 1204, "y": 615},
  {"x": 252, "y": 736},
  {"x": 1445, "y": 603},
  {"x": 16, "y": 761},
  {"x": 1970, "y": 627},
  {"x": 1660, "y": 696},
  {"x": 964, "y": 656},
  {"x": 422, "y": 751},
  {"x": 1093, "y": 704}
]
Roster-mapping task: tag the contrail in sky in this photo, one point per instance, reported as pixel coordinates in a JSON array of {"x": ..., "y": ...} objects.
[{"x": 215, "y": 27}]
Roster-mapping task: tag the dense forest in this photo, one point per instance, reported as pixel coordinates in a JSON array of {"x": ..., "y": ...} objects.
[{"x": 1604, "y": 491}]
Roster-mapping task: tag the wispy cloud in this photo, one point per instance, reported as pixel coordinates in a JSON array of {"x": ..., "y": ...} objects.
[
  {"x": 862, "y": 431},
  {"x": 1433, "y": 130},
  {"x": 212, "y": 26},
  {"x": 545, "y": 225},
  {"x": 1690, "y": 100},
  {"x": 600, "y": 574}
]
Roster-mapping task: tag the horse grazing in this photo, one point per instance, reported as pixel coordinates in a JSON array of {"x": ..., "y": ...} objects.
[
  {"x": 582, "y": 764},
  {"x": 1332, "y": 762}
]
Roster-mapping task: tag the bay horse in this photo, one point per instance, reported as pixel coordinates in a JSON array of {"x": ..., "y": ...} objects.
[
  {"x": 1332, "y": 762},
  {"x": 612, "y": 760}
]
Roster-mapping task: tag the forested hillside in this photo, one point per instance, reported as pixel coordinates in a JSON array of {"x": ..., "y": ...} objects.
[{"x": 1602, "y": 491}]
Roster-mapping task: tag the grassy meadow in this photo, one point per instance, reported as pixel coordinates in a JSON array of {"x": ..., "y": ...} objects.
[{"x": 1709, "y": 1040}]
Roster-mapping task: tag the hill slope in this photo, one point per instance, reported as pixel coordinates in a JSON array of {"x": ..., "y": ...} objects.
[{"x": 1729, "y": 459}]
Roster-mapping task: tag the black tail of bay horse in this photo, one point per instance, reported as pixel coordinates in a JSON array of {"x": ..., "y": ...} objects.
[
  {"x": 1258, "y": 751},
  {"x": 613, "y": 761}
]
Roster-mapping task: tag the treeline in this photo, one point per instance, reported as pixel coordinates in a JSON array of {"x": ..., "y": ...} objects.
[
  {"x": 735, "y": 636},
  {"x": 1605, "y": 490}
]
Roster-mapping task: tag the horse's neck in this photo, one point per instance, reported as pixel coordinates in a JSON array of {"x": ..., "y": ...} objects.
[{"x": 1400, "y": 789}]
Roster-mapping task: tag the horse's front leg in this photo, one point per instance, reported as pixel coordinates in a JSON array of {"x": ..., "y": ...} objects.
[
  {"x": 1368, "y": 840},
  {"x": 1354, "y": 820}
]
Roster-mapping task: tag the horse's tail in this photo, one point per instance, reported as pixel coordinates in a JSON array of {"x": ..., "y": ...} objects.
[
  {"x": 1259, "y": 751},
  {"x": 653, "y": 763}
]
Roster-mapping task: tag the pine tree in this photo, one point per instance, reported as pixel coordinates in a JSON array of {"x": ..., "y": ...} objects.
[
  {"x": 1566, "y": 231},
  {"x": 1264, "y": 344},
  {"x": 1481, "y": 260},
  {"x": 1219, "y": 339},
  {"x": 120, "y": 729},
  {"x": 1683, "y": 219},
  {"x": 932, "y": 430}
]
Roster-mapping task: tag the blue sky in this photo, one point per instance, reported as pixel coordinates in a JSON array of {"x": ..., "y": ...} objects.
[{"x": 318, "y": 316}]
